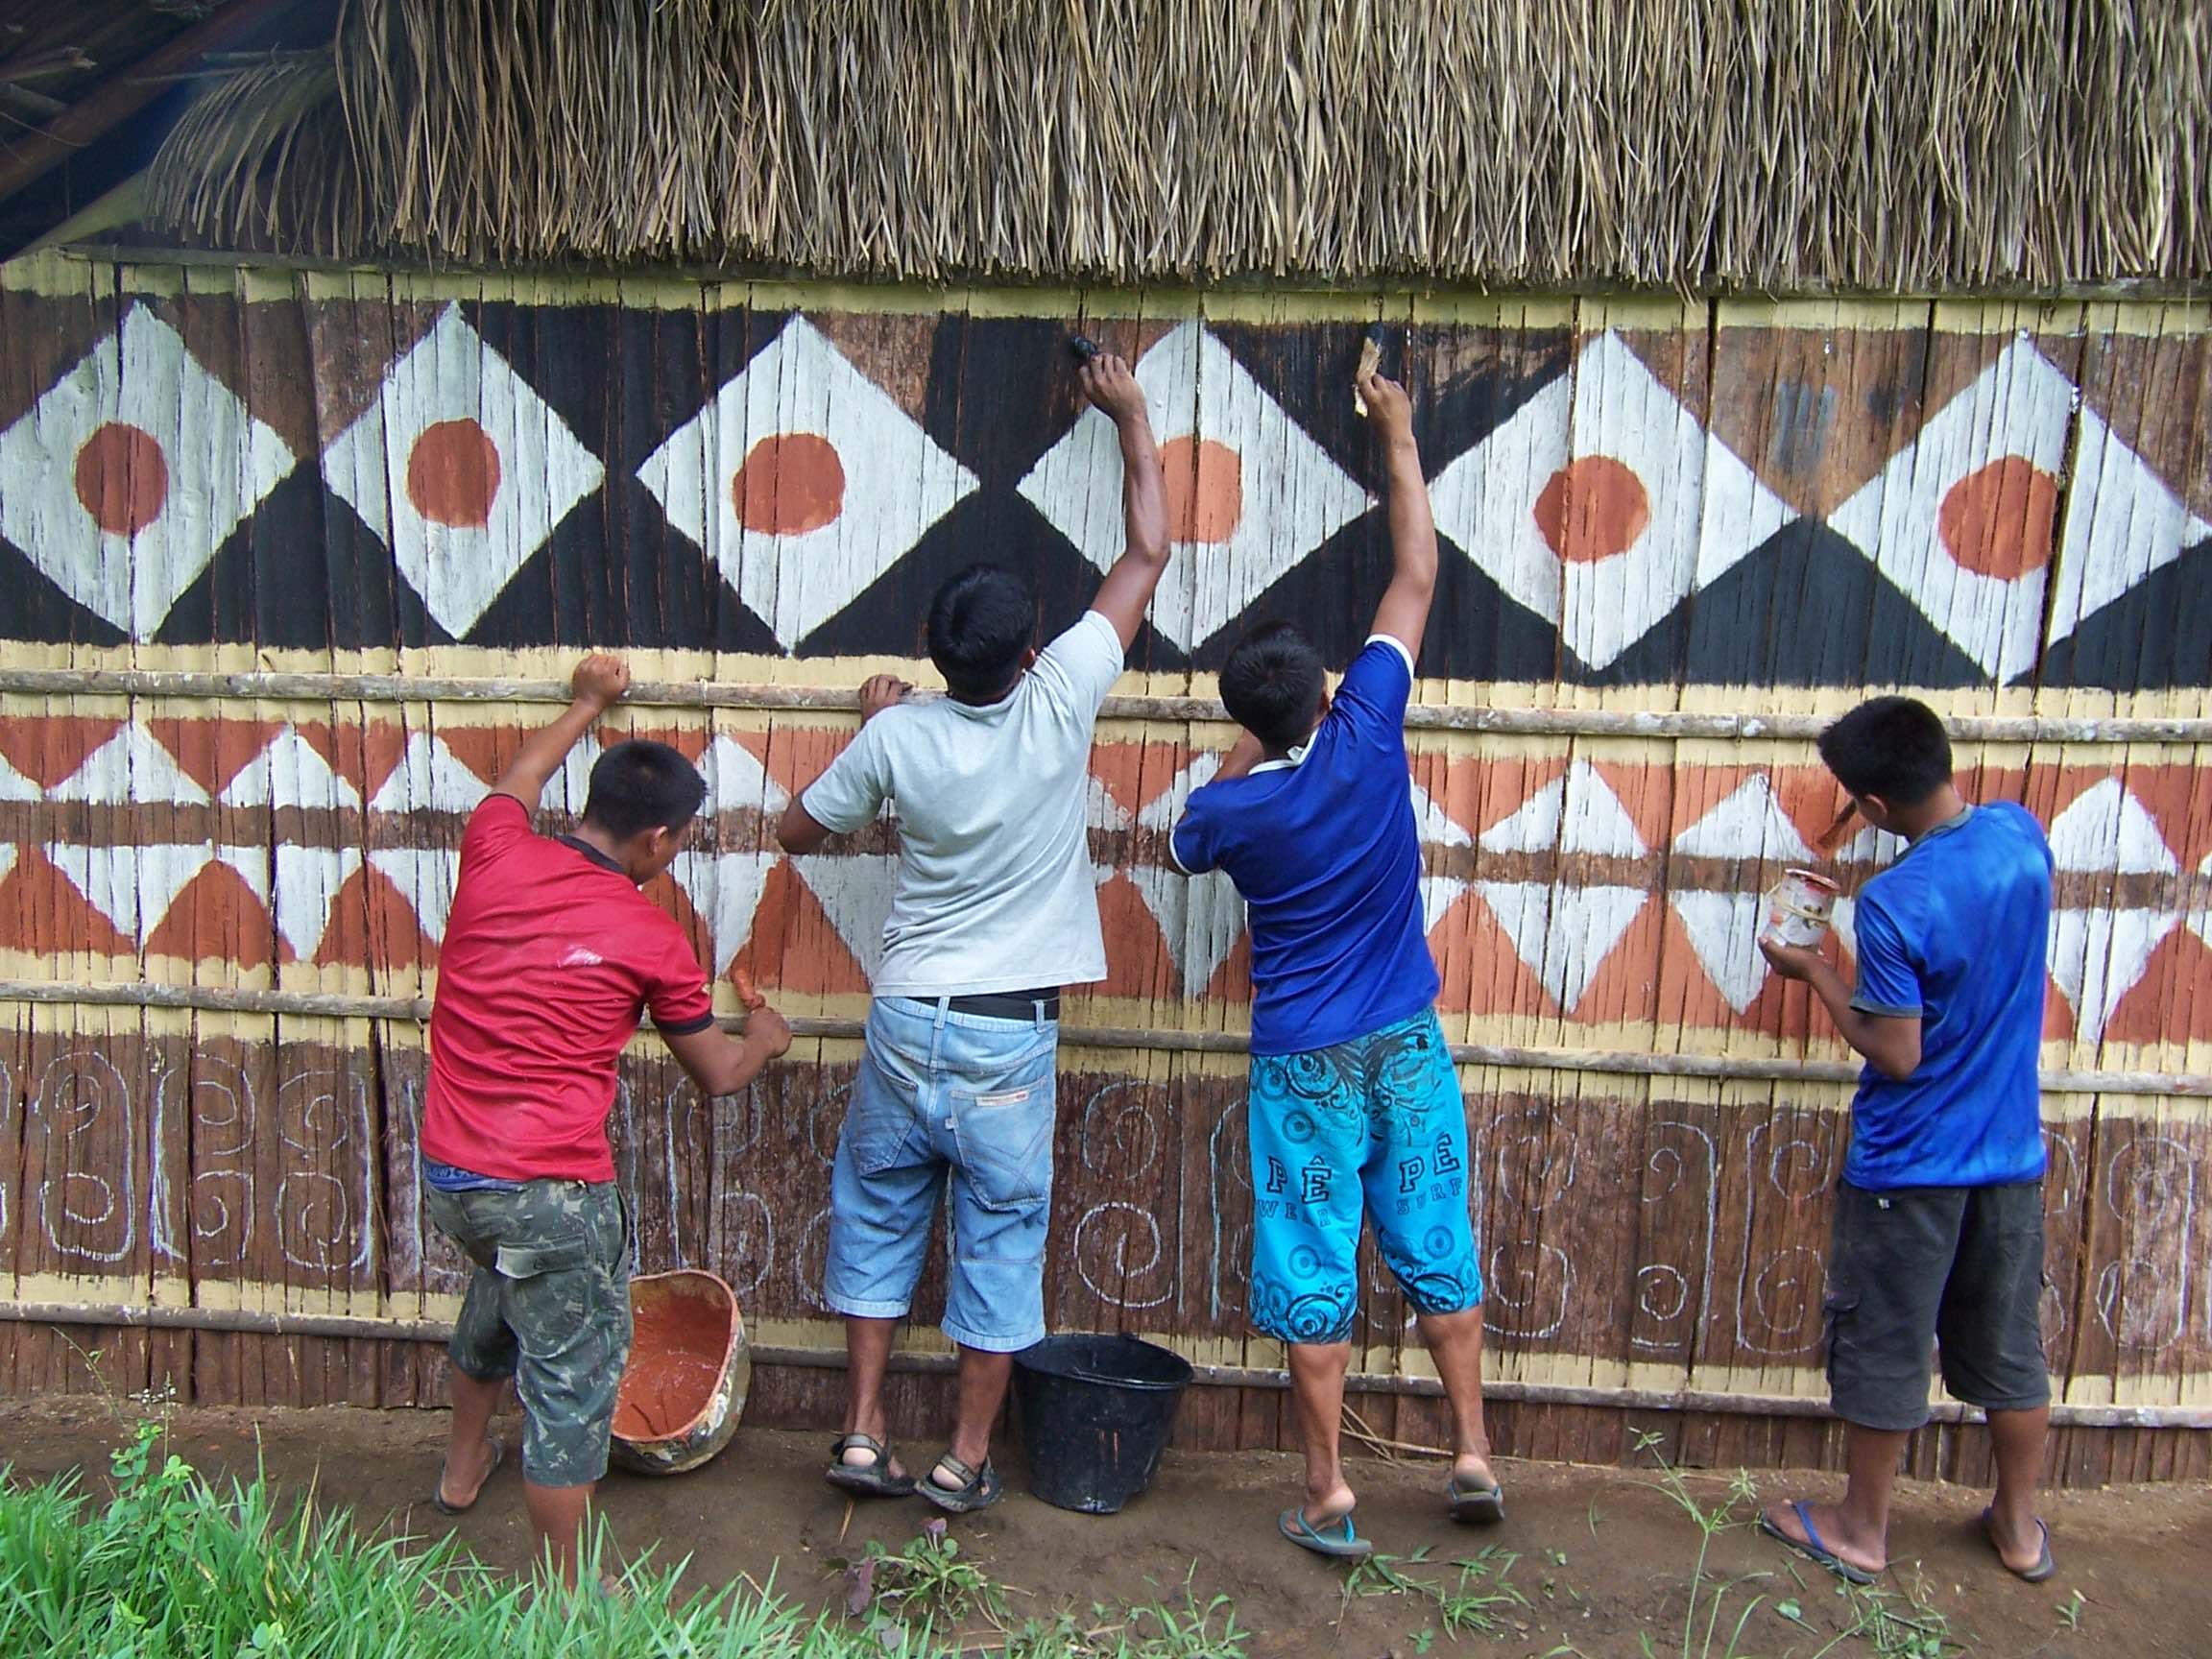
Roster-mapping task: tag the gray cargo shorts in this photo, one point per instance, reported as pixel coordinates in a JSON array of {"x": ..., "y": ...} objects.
[
  {"x": 1956, "y": 1268},
  {"x": 548, "y": 1305}
]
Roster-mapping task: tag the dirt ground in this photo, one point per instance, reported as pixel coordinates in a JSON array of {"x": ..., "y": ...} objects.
[{"x": 1604, "y": 1559}]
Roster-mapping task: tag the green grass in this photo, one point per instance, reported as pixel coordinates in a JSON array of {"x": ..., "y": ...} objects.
[{"x": 172, "y": 1567}]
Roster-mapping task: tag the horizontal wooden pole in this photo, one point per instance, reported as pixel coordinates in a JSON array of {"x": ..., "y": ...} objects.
[
  {"x": 1618, "y": 1062},
  {"x": 1666, "y": 724},
  {"x": 357, "y": 1328}
]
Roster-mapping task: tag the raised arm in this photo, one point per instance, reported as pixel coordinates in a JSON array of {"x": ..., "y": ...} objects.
[
  {"x": 598, "y": 681},
  {"x": 1403, "y": 613},
  {"x": 1127, "y": 591}
]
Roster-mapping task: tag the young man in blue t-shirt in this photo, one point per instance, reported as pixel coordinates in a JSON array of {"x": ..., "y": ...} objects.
[
  {"x": 1938, "y": 1236},
  {"x": 1353, "y": 1093}
]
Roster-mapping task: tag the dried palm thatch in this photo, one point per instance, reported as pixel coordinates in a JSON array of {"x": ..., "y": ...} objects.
[
  {"x": 262, "y": 158},
  {"x": 1699, "y": 144}
]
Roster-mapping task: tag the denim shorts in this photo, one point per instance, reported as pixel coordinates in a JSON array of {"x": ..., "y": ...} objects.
[
  {"x": 946, "y": 1098},
  {"x": 1376, "y": 1124},
  {"x": 548, "y": 1305}
]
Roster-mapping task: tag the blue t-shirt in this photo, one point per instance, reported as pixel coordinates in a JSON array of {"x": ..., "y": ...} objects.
[
  {"x": 1957, "y": 931},
  {"x": 1325, "y": 849}
]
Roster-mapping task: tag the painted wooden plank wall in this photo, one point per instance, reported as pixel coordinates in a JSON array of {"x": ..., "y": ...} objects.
[{"x": 1759, "y": 511}]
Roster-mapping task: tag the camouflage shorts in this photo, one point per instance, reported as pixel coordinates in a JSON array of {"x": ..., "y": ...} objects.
[{"x": 549, "y": 1305}]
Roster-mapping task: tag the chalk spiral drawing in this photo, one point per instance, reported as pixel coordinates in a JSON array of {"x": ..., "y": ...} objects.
[
  {"x": 2150, "y": 1185},
  {"x": 80, "y": 1213}
]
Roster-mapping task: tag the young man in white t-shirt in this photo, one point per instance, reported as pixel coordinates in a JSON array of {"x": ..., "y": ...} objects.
[{"x": 996, "y": 911}]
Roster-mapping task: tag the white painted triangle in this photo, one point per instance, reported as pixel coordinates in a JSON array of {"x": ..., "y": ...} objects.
[
  {"x": 1749, "y": 824},
  {"x": 291, "y": 772},
  {"x": 7, "y": 858},
  {"x": 14, "y": 786},
  {"x": 1563, "y": 934},
  {"x": 1724, "y": 929},
  {"x": 855, "y": 890},
  {"x": 1843, "y": 922},
  {"x": 1100, "y": 810},
  {"x": 1200, "y": 917},
  {"x": 2098, "y": 957},
  {"x": 1438, "y": 894},
  {"x": 426, "y": 876},
  {"x": 2200, "y": 918},
  {"x": 2106, "y": 828},
  {"x": 430, "y": 778},
  {"x": 308, "y": 881},
  {"x": 724, "y": 889},
  {"x": 1437, "y": 827},
  {"x": 1870, "y": 846},
  {"x": 1575, "y": 813},
  {"x": 1165, "y": 809},
  {"x": 131, "y": 886},
  {"x": 131, "y": 769},
  {"x": 251, "y": 863},
  {"x": 735, "y": 778}
]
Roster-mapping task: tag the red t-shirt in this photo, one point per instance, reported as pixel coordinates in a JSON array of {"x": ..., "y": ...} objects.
[{"x": 549, "y": 958}]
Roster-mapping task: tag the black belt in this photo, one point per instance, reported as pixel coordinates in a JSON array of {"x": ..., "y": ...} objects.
[{"x": 1008, "y": 1004}]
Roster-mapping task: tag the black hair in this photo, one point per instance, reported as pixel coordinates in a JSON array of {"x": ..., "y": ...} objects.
[
  {"x": 639, "y": 785},
  {"x": 981, "y": 620},
  {"x": 1892, "y": 747},
  {"x": 1272, "y": 685}
]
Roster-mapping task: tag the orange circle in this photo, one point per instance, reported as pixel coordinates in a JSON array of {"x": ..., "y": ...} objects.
[
  {"x": 1591, "y": 509},
  {"x": 1997, "y": 520},
  {"x": 1205, "y": 489},
  {"x": 789, "y": 485},
  {"x": 453, "y": 475},
  {"x": 122, "y": 478}
]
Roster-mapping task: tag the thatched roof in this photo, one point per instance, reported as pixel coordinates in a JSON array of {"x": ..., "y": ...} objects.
[{"x": 1784, "y": 145}]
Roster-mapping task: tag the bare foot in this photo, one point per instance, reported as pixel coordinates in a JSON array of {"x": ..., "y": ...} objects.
[
  {"x": 2017, "y": 1538},
  {"x": 1472, "y": 1471},
  {"x": 1868, "y": 1553},
  {"x": 463, "y": 1477},
  {"x": 861, "y": 1458},
  {"x": 1328, "y": 1506}
]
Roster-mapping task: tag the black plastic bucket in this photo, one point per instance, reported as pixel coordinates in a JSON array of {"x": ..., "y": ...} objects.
[{"x": 1096, "y": 1416}]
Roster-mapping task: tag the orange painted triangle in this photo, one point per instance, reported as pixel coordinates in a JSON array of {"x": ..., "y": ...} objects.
[
  {"x": 376, "y": 747},
  {"x": 217, "y": 916},
  {"x": 41, "y": 912},
  {"x": 213, "y": 751},
  {"x": 689, "y": 741},
  {"x": 794, "y": 946},
  {"x": 371, "y": 915},
  {"x": 1499, "y": 981},
  {"x": 1137, "y": 959},
  {"x": 1502, "y": 787},
  {"x": 47, "y": 748},
  {"x": 485, "y": 749},
  {"x": 1231, "y": 981},
  {"x": 1646, "y": 794},
  {"x": 795, "y": 756},
  {"x": 2161, "y": 1000},
  {"x": 1120, "y": 768}
]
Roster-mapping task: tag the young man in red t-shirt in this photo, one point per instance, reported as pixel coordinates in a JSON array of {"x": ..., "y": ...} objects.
[{"x": 550, "y": 955}]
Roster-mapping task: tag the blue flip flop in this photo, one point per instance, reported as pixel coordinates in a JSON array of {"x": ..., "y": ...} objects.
[
  {"x": 1337, "y": 1541},
  {"x": 1812, "y": 1548}
]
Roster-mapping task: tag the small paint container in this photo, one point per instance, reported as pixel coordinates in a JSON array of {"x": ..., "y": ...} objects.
[{"x": 1796, "y": 912}]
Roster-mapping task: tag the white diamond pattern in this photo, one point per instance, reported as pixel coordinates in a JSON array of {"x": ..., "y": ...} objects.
[
  {"x": 188, "y": 463},
  {"x": 452, "y": 389},
  {"x": 1702, "y": 510},
  {"x": 897, "y": 482},
  {"x": 1292, "y": 496},
  {"x": 2019, "y": 407},
  {"x": 2098, "y": 955}
]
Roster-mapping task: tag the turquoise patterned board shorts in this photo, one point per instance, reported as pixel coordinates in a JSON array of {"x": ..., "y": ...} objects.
[
  {"x": 1373, "y": 1124},
  {"x": 549, "y": 1305}
]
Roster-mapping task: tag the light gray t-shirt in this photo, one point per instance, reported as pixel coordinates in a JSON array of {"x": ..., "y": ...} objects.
[{"x": 995, "y": 890}]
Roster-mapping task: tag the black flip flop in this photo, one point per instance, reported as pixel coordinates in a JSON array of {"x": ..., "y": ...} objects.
[
  {"x": 2044, "y": 1566},
  {"x": 979, "y": 1488},
  {"x": 866, "y": 1479},
  {"x": 1812, "y": 1548},
  {"x": 1484, "y": 1505},
  {"x": 438, "y": 1491}
]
